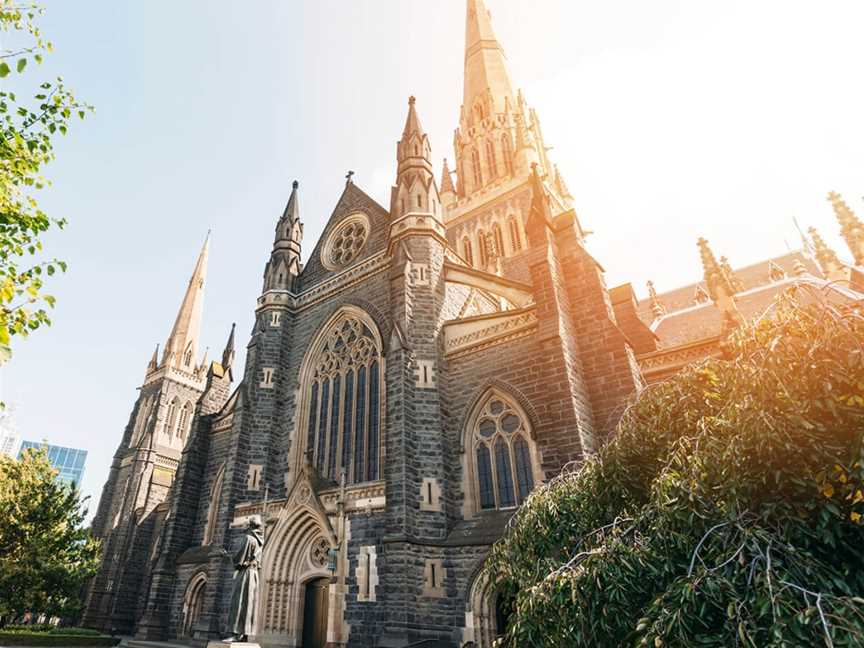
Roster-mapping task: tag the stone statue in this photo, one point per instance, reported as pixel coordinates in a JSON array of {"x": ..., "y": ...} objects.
[{"x": 244, "y": 597}]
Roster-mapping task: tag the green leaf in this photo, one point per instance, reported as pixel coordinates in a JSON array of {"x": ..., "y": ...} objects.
[
  {"x": 4, "y": 69},
  {"x": 22, "y": 63}
]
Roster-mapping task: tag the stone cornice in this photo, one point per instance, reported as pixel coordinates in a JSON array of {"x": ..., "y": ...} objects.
[
  {"x": 480, "y": 332},
  {"x": 368, "y": 497},
  {"x": 670, "y": 360}
]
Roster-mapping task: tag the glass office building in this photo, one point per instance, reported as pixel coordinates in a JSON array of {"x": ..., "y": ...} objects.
[{"x": 69, "y": 461}]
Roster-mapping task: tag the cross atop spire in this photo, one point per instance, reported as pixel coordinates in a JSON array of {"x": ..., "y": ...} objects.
[{"x": 181, "y": 349}]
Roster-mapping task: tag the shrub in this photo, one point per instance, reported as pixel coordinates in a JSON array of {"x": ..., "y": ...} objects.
[{"x": 727, "y": 510}]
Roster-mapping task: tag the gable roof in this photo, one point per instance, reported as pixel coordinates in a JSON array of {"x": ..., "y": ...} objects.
[
  {"x": 352, "y": 200},
  {"x": 751, "y": 276}
]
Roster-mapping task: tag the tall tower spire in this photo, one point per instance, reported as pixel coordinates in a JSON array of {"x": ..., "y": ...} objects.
[
  {"x": 499, "y": 136},
  {"x": 181, "y": 349},
  {"x": 486, "y": 77}
]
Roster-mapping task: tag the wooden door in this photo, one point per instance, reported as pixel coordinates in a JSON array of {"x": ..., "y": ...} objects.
[{"x": 315, "y": 607}]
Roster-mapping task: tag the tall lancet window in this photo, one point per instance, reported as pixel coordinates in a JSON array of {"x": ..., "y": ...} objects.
[
  {"x": 515, "y": 241},
  {"x": 466, "y": 251},
  {"x": 344, "y": 400},
  {"x": 499, "y": 239},
  {"x": 481, "y": 249},
  {"x": 491, "y": 162},
  {"x": 475, "y": 167},
  {"x": 502, "y": 469},
  {"x": 507, "y": 154}
]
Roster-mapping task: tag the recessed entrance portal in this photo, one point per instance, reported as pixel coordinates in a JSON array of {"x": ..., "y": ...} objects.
[{"x": 315, "y": 613}]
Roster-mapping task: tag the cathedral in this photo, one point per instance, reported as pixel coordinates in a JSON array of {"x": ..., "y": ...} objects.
[{"x": 405, "y": 389}]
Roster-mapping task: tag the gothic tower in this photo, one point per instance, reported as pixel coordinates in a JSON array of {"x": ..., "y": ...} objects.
[
  {"x": 143, "y": 469},
  {"x": 497, "y": 142}
]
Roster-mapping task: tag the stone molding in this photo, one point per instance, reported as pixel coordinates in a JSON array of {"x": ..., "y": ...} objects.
[{"x": 476, "y": 333}]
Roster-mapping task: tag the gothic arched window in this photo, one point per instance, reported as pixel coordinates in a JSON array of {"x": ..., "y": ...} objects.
[
  {"x": 171, "y": 419},
  {"x": 343, "y": 417},
  {"x": 507, "y": 153},
  {"x": 515, "y": 242},
  {"x": 499, "y": 239},
  {"x": 490, "y": 159},
  {"x": 500, "y": 454},
  {"x": 475, "y": 166},
  {"x": 467, "y": 252},
  {"x": 183, "y": 422},
  {"x": 481, "y": 249},
  {"x": 213, "y": 506}
]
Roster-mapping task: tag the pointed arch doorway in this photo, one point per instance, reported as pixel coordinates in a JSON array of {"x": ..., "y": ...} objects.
[{"x": 315, "y": 605}]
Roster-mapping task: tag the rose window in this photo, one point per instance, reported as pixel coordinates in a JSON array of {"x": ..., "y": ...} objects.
[{"x": 346, "y": 242}]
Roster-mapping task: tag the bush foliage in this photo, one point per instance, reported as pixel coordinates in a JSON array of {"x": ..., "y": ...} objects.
[{"x": 727, "y": 511}]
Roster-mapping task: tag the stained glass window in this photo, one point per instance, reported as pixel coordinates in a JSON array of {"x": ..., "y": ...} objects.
[
  {"x": 346, "y": 382},
  {"x": 504, "y": 470}
]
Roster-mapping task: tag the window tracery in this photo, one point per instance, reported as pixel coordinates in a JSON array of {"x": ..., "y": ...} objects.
[
  {"x": 501, "y": 451},
  {"x": 346, "y": 242},
  {"x": 343, "y": 428}
]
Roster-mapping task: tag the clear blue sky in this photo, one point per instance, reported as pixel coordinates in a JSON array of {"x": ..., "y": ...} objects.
[{"x": 669, "y": 119}]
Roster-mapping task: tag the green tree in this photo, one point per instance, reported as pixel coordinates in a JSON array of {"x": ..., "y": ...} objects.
[
  {"x": 46, "y": 555},
  {"x": 727, "y": 511},
  {"x": 27, "y": 131}
]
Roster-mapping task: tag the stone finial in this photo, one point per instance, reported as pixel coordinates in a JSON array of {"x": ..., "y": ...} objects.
[
  {"x": 657, "y": 307},
  {"x": 154, "y": 361},
  {"x": 447, "y": 180},
  {"x": 826, "y": 257},
  {"x": 734, "y": 281},
  {"x": 851, "y": 228},
  {"x": 560, "y": 185},
  {"x": 228, "y": 352},
  {"x": 799, "y": 268},
  {"x": 719, "y": 285}
]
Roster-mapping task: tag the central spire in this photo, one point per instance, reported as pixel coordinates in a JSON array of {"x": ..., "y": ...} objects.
[
  {"x": 485, "y": 62},
  {"x": 181, "y": 349}
]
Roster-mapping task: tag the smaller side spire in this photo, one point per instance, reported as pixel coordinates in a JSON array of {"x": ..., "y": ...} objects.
[
  {"x": 447, "y": 180},
  {"x": 284, "y": 265},
  {"x": 657, "y": 307},
  {"x": 415, "y": 190},
  {"x": 826, "y": 257},
  {"x": 851, "y": 228},
  {"x": 153, "y": 365},
  {"x": 719, "y": 286},
  {"x": 228, "y": 352},
  {"x": 539, "y": 213}
]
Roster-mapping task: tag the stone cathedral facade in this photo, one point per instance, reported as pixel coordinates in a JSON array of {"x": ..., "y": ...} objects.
[{"x": 432, "y": 362}]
